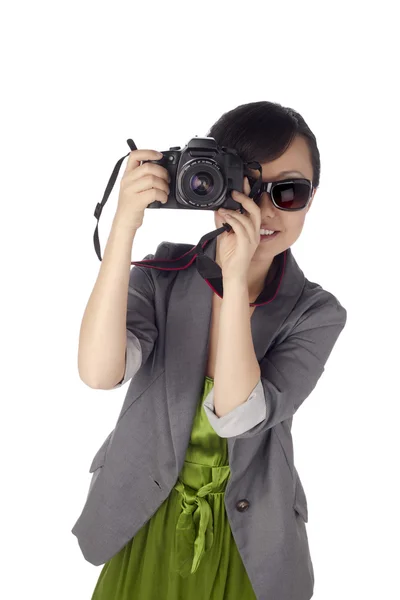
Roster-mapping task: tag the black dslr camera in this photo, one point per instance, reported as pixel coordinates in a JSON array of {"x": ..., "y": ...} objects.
[{"x": 202, "y": 175}]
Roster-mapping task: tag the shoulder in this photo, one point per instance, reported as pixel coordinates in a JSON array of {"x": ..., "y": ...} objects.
[
  {"x": 166, "y": 251},
  {"x": 322, "y": 304},
  {"x": 171, "y": 250}
]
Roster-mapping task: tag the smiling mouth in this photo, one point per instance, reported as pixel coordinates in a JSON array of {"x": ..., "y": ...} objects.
[{"x": 268, "y": 237}]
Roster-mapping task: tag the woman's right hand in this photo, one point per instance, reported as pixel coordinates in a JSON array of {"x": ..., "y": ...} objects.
[{"x": 141, "y": 185}]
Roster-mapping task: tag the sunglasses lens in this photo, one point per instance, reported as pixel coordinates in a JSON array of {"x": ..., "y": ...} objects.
[{"x": 291, "y": 195}]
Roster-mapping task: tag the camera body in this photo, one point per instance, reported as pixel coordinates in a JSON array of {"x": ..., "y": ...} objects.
[{"x": 202, "y": 176}]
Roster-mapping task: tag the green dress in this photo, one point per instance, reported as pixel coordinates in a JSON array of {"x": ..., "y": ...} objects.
[{"x": 186, "y": 549}]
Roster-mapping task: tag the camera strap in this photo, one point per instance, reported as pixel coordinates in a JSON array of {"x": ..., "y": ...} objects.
[{"x": 206, "y": 266}]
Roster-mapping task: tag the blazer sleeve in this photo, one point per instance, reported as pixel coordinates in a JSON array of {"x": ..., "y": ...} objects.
[
  {"x": 289, "y": 373},
  {"x": 141, "y": 330}
]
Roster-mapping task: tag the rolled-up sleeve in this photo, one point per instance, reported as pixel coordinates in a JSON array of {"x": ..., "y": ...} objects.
[
  {"x": 289, "y": 373},
  {"x": 133, "y": 358},
  {"x": 141, "y": 329},
  {"x": 240, "y": 419}
]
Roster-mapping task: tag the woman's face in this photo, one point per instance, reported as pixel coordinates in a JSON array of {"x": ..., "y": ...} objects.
[{"x": 290, "y": 224}]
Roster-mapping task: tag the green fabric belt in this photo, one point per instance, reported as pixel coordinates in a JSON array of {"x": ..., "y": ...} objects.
[{"x": 194, "y": 533}]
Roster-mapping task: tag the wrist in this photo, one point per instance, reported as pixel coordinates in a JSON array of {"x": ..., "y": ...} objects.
[
  {"x": 235, "y": 278},
  {"x": 235, "y": 282},
  {"x": 123, "y": 223}
]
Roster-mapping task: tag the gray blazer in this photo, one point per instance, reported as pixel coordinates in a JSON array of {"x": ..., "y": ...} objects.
[{"x": 135, "y": 469}]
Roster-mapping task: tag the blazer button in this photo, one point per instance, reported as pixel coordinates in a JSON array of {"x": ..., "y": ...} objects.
[{"x": 242, "y": 505}]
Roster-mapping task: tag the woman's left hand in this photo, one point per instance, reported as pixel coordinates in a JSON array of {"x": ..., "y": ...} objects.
[{"x": 237, "y": 247}]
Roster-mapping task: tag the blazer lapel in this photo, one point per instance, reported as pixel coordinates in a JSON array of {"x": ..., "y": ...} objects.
[
  {"x": 187, "y": 338},
  {"x": 186, "y": 352}
]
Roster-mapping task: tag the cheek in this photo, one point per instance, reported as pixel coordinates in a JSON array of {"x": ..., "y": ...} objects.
[
  {"x": 291, "y": 230},
  {"x": 295, "y": 224},
  {"x": 300, "y": 223}
]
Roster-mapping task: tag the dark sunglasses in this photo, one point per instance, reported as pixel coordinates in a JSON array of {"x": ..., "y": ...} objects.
[{"x": 289, "y": 194}]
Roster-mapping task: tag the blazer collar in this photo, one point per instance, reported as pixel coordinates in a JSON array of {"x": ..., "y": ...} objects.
[
  {"x": 270, "y": 289},
  {"x": 202, "y": 256}
]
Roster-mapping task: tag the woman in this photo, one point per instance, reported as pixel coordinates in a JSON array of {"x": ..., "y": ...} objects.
[{"x": 187, "y": 548}]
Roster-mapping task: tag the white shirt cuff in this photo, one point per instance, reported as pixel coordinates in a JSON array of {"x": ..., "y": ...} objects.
[
  {"x": 133, "y": 358},
  {"x": 240, "y": 419}
]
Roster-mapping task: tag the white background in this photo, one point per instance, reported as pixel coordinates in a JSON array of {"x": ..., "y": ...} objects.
[{"x": 78, "y": 79}]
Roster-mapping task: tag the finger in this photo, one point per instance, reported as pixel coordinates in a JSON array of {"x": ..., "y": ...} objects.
[
  {"x": 136, "y": 156},
  {"x": 147, "y": 182},
  {"x": 251, "y": 208},
  {"x": 149, "y": 168},
  {"x": 240, "y": 224},
  {"x": 243, "y": 197}
]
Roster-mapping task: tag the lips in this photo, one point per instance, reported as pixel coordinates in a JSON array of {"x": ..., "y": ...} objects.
[{"x": 269, "y": 237}]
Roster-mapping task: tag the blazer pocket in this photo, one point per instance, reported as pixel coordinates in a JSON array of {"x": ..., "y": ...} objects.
[
  {"x": 300, "y": 500},
  {"x": 99, "y": 458},
  {"x": 98, "y": 461}
]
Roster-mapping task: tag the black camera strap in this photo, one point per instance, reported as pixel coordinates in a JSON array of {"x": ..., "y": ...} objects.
[{"x": 206, "y": 267}]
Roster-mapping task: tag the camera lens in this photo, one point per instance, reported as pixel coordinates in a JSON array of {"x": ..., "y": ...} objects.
[{"x": 202, "y": 183}]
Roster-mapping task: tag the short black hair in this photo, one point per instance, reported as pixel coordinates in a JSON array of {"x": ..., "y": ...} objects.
[{"x": 262, "y": 131}]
